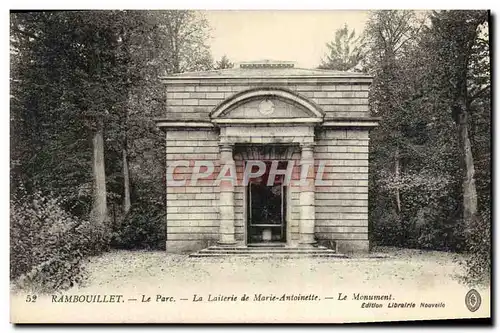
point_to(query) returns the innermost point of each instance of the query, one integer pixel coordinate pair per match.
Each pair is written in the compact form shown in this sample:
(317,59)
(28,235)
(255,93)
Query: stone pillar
(306,198)
(226,198)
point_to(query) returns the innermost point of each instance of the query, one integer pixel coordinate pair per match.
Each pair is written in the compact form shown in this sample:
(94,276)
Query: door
(266,209)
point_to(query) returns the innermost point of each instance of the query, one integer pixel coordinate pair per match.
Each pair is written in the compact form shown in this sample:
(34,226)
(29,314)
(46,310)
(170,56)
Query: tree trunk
(397,173)
(468,182)
(126,182)
(99,210)
(126,173)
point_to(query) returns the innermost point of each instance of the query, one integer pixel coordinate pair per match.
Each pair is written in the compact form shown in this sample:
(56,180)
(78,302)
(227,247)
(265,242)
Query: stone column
(226,198)
(306,198)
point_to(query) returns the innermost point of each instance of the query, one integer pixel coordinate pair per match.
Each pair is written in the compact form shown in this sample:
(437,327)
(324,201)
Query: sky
(299,36)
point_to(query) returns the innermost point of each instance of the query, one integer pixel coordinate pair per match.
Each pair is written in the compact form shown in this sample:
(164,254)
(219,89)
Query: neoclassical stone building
(267,111)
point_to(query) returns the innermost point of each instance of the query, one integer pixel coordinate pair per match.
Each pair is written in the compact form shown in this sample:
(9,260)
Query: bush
(429,217)
(142,228)
(49,245)
(478,240)
(386,228)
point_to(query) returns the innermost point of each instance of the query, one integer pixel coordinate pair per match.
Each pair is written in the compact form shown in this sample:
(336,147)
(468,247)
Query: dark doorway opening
(266,208)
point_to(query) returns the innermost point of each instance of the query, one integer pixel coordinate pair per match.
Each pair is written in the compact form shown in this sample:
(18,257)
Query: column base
(308,245)
(228,244)
(315,244)
(307,238)
(226,239)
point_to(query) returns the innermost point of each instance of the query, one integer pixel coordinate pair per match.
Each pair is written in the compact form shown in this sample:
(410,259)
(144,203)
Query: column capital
(307,145)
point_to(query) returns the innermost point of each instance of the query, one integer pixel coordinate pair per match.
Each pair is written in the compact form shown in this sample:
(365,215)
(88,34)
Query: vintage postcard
(182,166)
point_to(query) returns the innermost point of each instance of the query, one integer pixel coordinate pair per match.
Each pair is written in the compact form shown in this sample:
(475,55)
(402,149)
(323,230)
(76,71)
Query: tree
(175,40)
(423,154)
(66,58)
(186,33)
(75,73)
(458,48)
(139,56)
(345,52)
(391,38)
(455,44)
(223,63)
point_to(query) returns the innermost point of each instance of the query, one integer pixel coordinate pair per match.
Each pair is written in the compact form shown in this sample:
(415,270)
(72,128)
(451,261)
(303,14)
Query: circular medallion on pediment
(266,107)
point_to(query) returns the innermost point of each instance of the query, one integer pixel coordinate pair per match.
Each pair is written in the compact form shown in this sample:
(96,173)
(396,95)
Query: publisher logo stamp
(473,300)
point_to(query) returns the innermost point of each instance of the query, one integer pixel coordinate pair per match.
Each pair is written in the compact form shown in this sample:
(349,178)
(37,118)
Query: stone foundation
(352,246)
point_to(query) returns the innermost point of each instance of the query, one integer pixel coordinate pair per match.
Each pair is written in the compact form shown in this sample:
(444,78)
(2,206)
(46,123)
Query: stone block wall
(342,209)
(194,99)
(192,210)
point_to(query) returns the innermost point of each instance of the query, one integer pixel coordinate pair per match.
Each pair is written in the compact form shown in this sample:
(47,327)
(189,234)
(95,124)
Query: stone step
(270,243)
(267,255)
(245,253)
(264,251)
(295,252)
(317,248)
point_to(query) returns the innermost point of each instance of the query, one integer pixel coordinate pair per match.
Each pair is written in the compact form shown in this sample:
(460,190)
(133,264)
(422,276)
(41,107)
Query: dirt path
(405,268)
(161,287)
